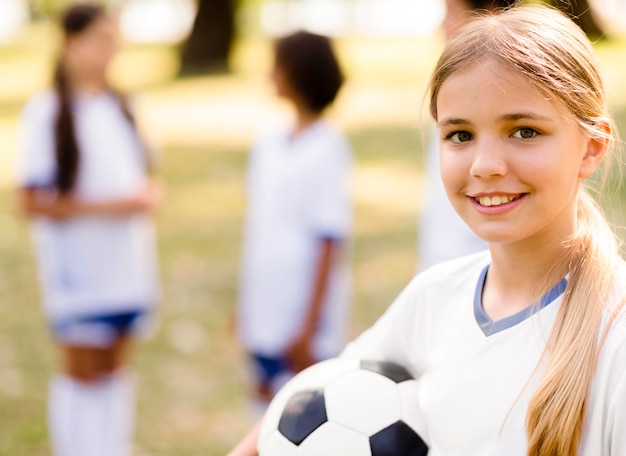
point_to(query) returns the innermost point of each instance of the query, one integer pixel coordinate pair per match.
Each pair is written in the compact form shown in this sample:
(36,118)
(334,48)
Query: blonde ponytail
(556,413)
(558,59)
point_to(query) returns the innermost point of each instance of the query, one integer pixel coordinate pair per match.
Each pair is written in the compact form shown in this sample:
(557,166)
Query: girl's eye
(525,133)
(459,137)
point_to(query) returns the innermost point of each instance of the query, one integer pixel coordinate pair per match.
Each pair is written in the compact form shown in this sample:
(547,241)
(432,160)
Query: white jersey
(298,194)
(473,372)
(90,265)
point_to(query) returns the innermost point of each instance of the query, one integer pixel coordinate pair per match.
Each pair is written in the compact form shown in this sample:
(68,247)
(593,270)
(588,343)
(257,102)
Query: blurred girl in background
(85,184)
(294,296)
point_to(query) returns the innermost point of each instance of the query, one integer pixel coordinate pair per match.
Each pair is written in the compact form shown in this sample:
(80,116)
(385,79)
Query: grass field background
(191,375)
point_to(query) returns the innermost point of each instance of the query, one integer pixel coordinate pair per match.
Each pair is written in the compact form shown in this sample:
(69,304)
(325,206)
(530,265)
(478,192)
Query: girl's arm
(300,350)
(35,202)
(247,447)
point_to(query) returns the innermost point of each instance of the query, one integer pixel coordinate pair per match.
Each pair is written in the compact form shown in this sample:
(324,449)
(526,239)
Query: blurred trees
(209,43)
(208,46)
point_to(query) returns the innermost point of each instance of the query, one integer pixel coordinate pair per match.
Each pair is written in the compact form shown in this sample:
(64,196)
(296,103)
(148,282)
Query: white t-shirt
(298,194)
(443,235)
(90,265)
(472,371)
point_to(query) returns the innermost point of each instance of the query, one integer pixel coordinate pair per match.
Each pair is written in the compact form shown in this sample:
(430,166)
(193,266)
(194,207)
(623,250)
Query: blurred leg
(269,374)
(92,403)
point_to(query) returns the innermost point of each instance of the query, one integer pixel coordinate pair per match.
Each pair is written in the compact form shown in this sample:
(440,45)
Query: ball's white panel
(411,412)
(277,445)
(364,401)
(315,377)
(272,417)
(332,439)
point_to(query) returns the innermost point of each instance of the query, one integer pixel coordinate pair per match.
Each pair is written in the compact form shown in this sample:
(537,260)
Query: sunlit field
(191,373)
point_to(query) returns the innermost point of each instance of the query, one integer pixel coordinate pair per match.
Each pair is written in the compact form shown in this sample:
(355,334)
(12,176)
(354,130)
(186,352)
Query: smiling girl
(520,350)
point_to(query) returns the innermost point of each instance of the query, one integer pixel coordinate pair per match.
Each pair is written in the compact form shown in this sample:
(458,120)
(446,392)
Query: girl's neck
(88,87)
(304,119)
(518,276)
(84,84)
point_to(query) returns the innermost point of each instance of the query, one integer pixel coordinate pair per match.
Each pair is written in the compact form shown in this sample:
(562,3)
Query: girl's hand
(247,447)
(149,198)
(47,203)
(299,352)
(51,204)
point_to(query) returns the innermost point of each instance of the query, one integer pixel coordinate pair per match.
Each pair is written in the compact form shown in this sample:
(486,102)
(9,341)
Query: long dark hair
(75,21)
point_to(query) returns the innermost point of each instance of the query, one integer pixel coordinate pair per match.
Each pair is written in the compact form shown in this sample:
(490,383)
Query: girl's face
(281,83)
(90,52)
(511,156)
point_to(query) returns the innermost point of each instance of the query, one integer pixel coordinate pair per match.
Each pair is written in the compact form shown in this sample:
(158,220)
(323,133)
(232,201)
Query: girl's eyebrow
(453,121)
(505,117)
(524,115)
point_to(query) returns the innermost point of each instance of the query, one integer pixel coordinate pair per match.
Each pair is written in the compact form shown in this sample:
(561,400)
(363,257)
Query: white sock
(91,419)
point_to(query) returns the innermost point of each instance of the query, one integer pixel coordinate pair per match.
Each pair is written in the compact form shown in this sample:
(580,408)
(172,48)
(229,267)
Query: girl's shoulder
(326,130)
(326,144)
(452,277)
(456,267)
(614,318)
(42,105)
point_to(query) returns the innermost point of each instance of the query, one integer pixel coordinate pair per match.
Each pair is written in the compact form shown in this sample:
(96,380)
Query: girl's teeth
(494,200)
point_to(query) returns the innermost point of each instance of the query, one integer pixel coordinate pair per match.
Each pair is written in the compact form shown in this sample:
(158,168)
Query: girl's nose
(488,160)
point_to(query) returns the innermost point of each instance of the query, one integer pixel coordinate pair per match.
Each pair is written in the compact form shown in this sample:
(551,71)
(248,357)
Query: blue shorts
(271,372)
(100,331)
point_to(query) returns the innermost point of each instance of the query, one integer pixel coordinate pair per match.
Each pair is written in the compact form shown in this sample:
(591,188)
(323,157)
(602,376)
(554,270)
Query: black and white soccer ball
(345,407)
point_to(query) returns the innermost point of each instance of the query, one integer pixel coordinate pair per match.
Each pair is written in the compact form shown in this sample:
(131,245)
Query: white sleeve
(392,338)
(330,211)
(36,163)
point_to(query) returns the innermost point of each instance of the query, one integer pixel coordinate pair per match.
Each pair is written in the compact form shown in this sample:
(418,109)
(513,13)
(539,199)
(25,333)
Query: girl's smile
(496,203)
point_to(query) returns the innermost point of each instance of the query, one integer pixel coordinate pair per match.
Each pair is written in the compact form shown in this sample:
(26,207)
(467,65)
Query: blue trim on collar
(490,327)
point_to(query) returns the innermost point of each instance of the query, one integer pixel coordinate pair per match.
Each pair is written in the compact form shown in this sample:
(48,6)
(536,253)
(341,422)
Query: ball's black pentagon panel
(397,440)
(304,413)
(390,370)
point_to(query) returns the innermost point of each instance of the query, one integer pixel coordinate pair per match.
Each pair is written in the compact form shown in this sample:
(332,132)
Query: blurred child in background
(85,185)
(294,296)
(442,234)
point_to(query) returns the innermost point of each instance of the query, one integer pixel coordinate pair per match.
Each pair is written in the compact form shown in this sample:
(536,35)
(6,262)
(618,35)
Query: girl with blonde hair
(520,350)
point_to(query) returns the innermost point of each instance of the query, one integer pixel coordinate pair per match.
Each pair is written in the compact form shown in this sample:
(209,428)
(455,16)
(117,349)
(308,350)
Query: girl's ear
(596,148)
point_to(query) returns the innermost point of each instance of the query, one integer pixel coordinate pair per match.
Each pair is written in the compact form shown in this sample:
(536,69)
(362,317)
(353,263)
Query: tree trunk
(209,43)
(580,12)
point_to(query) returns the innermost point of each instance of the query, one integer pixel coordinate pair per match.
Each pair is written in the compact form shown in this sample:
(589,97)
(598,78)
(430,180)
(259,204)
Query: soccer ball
(345,406)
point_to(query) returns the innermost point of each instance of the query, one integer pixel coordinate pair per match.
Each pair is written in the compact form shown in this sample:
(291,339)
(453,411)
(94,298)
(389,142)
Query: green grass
(191,372)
